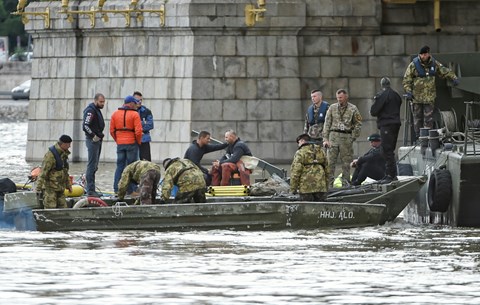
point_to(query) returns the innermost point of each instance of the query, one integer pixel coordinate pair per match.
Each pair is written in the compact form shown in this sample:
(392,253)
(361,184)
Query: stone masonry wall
(206,70)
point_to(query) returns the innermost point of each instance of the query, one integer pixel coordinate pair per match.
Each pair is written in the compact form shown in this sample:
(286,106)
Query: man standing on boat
(309,170)
(93,125)
(187,177)
(386,107)
(144,173)
(200,147)
(315,117)
(371,164)
(126,130)
(147,125)
(419,85)
(54,177)
(229,163)
(341,129)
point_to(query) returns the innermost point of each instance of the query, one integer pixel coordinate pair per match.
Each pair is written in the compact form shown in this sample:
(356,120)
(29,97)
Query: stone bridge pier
(205,69)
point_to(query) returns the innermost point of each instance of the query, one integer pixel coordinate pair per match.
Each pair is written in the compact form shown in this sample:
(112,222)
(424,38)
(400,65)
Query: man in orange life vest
(126,130)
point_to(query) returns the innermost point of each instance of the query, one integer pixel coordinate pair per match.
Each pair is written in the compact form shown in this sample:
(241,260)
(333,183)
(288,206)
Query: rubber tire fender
(90,201)
(404,169)
(439,190)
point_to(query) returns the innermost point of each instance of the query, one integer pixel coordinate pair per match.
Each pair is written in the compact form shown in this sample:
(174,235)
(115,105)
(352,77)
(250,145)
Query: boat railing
(472,126)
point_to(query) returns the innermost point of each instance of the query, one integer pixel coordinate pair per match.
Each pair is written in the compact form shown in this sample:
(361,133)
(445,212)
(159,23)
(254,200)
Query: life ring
(90,202)
(405,169)
(439,190)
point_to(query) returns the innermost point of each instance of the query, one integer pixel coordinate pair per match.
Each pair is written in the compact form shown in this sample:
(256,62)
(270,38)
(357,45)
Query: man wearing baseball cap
(371,164)
(126,130)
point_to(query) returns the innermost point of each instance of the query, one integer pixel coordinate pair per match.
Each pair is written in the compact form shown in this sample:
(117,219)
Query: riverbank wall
(205,69)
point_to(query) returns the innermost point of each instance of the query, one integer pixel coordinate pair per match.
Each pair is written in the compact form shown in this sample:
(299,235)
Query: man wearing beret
(371,164)
(54,178)
(419,85)
(309,170)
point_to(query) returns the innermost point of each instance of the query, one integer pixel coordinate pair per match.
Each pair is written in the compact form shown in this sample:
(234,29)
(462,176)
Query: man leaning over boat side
(309,170)
(230,162)
(54,177)
(144,173)
(199,148)
(187,177)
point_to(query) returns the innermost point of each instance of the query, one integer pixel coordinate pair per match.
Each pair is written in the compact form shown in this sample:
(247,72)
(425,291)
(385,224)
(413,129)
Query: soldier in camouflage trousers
(144,173)
(419,85)
(309,170)
(341,129)
(54,177)
(187,177)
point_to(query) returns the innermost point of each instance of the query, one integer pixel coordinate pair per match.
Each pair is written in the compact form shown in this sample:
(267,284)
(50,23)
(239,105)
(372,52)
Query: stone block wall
(205,69)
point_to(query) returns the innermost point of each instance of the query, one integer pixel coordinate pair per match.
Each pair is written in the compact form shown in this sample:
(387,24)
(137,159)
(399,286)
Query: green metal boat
(366,205)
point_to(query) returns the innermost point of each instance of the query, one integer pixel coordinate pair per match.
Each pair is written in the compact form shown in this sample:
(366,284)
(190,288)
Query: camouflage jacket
(347,119)
(309,171)
(50,178)
(423,88)
(132,173)
(184,174)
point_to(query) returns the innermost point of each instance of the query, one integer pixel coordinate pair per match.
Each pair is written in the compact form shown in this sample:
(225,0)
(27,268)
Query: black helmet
(303,136)
(374,137)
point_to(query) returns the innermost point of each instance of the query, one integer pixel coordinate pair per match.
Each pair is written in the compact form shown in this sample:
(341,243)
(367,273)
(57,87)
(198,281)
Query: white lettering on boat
(341,215)
(327,214)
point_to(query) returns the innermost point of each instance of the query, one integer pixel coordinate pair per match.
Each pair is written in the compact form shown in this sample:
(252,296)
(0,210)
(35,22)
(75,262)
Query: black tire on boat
(439,190)
(404,169)
(89,202)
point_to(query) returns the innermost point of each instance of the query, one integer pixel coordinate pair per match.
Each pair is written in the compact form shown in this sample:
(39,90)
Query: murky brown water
(393,264)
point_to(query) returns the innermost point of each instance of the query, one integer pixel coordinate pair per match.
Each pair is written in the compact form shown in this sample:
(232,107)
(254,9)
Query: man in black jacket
(200,147)
(386,107)
(93,125)
(371,164)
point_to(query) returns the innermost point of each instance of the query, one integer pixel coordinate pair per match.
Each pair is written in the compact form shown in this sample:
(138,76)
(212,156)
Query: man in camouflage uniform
(419,85)
(187,177)
(309,170)
(315,117)
(144,173)
(342,127)
(54,178)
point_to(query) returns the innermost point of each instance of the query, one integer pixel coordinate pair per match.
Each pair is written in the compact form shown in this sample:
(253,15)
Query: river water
(397,263)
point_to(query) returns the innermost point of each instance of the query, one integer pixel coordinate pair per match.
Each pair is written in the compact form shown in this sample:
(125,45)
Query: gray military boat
(448,154)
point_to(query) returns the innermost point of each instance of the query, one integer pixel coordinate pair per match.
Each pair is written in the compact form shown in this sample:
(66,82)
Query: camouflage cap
(303,136)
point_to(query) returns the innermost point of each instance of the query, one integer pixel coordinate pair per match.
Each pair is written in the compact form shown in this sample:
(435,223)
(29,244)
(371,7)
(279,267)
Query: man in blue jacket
(93,125)
(147,125)
(315,116)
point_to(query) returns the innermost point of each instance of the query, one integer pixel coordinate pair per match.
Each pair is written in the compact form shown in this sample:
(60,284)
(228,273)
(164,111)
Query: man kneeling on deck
(144,173)
(187,177)
(309,171)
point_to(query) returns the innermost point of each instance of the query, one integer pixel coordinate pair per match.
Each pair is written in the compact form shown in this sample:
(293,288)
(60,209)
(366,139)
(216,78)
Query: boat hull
(364,206)
(254,215)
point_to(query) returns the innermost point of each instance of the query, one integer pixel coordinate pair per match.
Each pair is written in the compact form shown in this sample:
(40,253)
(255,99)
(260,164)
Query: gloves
(409,96)
(96,138)
(456,81)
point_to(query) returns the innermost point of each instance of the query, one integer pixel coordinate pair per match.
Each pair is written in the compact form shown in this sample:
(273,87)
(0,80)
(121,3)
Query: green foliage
(11,25)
